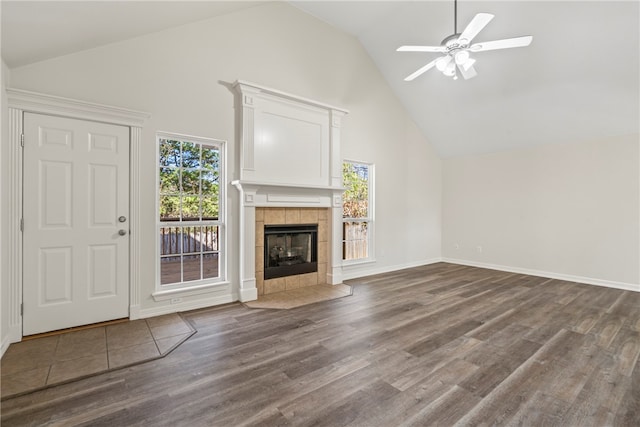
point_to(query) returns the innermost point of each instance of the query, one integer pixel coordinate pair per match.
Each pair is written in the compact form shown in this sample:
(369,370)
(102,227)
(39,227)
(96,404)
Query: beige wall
(569,210)
(182,76)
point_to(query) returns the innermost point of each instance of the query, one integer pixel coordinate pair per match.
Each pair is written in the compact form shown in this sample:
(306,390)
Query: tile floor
(41,362)
(301,296)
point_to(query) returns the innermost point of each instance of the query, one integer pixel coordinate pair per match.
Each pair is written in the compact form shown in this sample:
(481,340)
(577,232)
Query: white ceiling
(33,31)
(579,79)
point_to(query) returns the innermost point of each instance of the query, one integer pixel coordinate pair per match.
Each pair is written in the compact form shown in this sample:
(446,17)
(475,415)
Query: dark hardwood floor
(435,345)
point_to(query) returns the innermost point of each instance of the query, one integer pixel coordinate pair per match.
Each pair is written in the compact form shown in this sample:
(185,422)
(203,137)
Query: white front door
(76,225)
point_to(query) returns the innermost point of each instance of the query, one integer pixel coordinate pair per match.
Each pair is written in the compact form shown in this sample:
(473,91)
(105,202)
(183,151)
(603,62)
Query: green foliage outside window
(189,181)
(355,200)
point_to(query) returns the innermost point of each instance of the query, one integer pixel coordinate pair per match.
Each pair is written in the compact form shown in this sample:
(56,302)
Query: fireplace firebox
(290,250)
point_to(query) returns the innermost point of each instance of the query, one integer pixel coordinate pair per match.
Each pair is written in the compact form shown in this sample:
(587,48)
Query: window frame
(166,291)
(370,219)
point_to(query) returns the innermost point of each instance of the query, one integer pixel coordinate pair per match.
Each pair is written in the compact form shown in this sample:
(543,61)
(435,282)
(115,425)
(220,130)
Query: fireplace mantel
(289,157)
(288,195)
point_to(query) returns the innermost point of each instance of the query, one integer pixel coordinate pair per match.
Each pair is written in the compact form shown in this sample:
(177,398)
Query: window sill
(355,263)
(187,291)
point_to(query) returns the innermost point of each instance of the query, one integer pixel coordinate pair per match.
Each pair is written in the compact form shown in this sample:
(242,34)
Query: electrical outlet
(479,249)
(176,300)
(456,246)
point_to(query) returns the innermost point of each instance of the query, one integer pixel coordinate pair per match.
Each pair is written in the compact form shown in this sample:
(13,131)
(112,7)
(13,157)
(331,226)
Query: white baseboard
(134,312)
(188,305)
(14,334)
(6,341)
(249,293)
(547,274)
(370,270)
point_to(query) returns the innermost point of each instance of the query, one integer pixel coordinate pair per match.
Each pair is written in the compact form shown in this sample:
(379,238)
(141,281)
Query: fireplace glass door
(289,250)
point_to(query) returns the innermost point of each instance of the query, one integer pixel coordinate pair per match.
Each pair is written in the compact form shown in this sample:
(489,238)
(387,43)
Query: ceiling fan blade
(420,71)
(475,26)
(421,49)
(502,44)
(468,72)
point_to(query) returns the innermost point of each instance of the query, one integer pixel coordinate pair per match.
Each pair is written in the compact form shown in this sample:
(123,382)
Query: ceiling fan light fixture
(468,63)
(450,70)
(442,62)
(461,57)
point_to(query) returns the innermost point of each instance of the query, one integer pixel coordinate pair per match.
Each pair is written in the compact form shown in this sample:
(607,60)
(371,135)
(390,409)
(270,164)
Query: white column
(247,135)
(334,269)
(135,243)
(335,158)
(247,250)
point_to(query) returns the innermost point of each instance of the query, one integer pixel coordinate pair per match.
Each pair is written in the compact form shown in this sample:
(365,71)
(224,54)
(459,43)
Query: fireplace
(289,172)
(290,250)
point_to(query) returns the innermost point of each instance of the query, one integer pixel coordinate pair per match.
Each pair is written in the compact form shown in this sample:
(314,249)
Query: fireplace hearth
(290,250)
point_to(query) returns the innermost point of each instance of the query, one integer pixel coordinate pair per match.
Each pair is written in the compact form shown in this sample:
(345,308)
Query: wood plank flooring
(436,345)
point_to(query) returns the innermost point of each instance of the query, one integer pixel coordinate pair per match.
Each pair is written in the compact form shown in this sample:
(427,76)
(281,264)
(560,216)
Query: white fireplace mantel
(289,157)
(284,195)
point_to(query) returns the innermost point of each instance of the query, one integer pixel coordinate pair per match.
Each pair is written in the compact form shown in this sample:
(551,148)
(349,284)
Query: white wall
(567,210)
(181,77)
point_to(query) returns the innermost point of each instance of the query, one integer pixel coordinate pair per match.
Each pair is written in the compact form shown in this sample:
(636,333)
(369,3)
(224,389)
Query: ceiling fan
(458,48)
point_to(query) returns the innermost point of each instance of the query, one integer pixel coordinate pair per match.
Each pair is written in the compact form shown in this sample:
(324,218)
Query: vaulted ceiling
(578,80)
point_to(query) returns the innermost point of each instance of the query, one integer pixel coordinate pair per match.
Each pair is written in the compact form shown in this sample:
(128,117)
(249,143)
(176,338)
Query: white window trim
(371,218)
(163,292)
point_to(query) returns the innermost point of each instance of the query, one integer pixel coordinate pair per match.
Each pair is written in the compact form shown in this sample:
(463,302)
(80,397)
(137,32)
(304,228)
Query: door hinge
(21,224)
(22,139)
(21,309)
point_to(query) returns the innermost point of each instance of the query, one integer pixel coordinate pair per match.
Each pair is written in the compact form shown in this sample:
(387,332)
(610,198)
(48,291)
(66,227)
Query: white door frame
(21,101)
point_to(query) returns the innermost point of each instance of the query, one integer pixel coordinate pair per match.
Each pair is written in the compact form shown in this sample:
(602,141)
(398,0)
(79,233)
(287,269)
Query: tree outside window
(189,210)
(357,207)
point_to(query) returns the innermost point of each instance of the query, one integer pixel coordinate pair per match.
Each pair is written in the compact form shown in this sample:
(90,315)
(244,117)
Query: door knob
(122,232)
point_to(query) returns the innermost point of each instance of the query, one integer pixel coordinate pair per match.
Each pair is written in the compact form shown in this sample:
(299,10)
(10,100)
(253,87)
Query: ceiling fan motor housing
(452,43)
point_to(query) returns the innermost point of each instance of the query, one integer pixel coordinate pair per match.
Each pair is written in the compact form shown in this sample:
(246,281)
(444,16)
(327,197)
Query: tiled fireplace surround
(278,216)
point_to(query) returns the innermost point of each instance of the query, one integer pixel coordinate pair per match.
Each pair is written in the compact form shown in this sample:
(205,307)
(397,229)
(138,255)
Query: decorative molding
(272,124)
(245,86)
(134,312)
(14,235)
(6,342)
(283,195)
(550,275)
(335,156)
(249,292)
(278,198)
(256,185)
(57,105)
(135,242)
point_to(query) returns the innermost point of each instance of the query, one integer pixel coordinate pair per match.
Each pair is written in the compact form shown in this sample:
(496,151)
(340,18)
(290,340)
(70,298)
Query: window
(357,215)
(190,217)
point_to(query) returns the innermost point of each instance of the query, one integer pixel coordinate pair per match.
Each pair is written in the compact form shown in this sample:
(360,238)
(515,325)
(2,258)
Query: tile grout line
(153,337)
(106,347)
(53,359)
